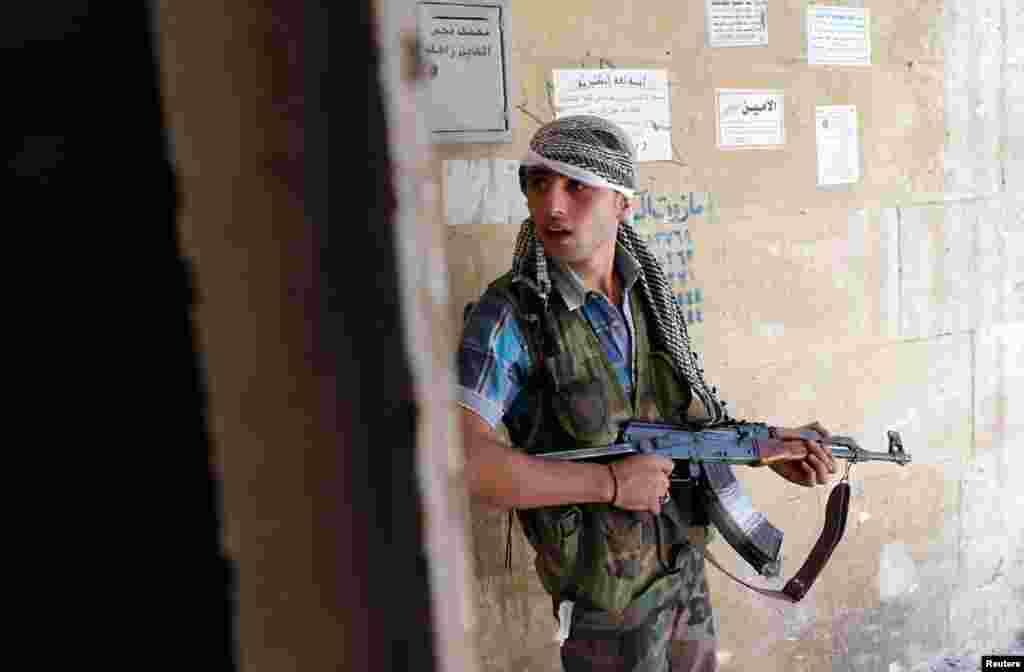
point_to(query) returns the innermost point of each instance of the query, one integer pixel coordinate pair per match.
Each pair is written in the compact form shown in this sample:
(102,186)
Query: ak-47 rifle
(707,452)
(751,444)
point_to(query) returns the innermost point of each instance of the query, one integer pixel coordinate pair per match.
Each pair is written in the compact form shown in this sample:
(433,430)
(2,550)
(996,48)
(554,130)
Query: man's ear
(622,205)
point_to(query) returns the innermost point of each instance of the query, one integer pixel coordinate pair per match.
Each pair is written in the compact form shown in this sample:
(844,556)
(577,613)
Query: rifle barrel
(859,455)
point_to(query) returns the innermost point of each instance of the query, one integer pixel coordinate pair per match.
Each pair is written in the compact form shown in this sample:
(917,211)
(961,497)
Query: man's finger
(830,460)
(827,460)
(813,447)
(820,471)
(822,453)
(809,473)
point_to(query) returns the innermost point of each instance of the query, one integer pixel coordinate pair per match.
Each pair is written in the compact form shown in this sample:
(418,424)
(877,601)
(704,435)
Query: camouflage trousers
(678,636)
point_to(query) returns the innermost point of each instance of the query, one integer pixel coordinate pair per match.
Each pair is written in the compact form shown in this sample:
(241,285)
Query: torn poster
(636,100)
(483,191)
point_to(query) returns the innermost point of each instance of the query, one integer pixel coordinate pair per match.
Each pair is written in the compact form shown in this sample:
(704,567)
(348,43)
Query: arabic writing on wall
(460,39)
(691,302)
(664,223)
(667,209)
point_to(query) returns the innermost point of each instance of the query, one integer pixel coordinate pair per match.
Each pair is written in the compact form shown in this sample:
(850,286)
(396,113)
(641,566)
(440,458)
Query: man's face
(573,220)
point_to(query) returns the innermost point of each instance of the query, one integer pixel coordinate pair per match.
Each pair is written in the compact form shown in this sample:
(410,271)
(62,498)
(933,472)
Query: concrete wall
(896,303)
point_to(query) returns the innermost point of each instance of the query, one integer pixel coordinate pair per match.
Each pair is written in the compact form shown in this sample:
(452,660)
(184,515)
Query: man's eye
(536,182)
(577,186)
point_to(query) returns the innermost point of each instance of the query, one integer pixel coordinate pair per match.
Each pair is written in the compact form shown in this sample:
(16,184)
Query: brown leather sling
(835,524)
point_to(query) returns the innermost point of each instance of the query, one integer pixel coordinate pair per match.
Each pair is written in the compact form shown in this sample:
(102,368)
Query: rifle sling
(835,524)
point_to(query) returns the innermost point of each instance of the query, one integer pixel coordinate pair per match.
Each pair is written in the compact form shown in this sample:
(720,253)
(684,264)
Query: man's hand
(643,481)
(816,467)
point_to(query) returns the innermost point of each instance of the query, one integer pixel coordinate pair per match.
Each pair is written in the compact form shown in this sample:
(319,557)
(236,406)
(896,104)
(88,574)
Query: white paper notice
(636,100)
(838,35)
(750,118)
(737,23)
(838,144)
(483,191)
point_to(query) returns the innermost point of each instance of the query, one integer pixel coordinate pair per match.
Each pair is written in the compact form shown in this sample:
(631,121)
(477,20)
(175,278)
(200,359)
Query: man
(582,334)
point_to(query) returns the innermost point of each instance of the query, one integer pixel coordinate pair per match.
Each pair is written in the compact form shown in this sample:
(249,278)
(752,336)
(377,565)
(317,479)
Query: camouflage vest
(594,554)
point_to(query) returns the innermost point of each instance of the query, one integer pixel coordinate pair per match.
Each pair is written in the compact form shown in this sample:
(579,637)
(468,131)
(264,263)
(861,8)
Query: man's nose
(556,197)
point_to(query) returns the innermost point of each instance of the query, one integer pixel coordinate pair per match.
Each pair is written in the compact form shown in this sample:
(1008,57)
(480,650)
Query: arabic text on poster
(737,23)
(636,100)
(750,118)
(460,39)
(838,35)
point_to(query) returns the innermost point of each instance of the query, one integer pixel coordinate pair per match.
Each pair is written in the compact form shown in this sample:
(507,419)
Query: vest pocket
(554,534)
(671,391)
(621,558)
(606,558)
(625,559)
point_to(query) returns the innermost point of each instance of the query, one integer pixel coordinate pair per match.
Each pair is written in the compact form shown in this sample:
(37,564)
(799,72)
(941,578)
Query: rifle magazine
(747,530)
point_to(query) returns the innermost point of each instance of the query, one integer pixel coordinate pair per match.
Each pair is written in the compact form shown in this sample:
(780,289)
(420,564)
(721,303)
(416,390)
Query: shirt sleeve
(492,360)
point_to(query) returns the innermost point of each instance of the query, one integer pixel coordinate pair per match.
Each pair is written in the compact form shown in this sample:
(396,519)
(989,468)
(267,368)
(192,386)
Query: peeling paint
(897,575)
(771,329)
(798,620)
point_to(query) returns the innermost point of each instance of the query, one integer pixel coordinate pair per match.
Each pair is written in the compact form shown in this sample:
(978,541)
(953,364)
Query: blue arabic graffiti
(674,249)
(666,209)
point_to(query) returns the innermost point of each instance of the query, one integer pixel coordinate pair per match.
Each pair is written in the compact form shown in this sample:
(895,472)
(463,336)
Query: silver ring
(664,498)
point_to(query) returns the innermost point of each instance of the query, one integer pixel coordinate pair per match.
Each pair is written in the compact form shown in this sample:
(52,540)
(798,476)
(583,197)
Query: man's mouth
(560,237)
